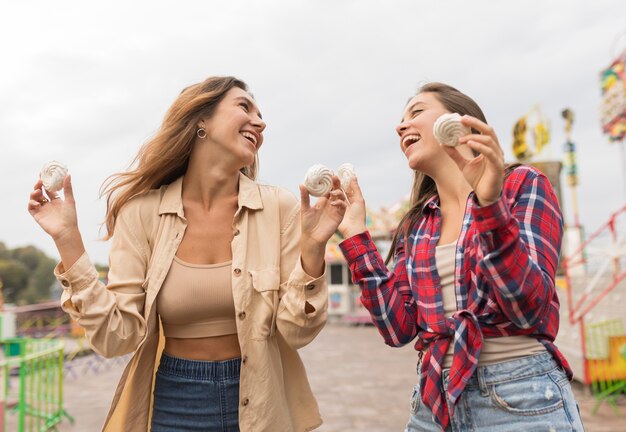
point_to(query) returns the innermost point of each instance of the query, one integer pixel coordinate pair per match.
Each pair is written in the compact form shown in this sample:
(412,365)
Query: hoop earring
(201,133)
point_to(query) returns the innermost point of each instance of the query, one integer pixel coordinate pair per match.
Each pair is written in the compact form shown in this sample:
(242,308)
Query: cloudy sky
(87,83)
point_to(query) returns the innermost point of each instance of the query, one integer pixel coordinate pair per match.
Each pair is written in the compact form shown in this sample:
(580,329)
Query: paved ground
(361,385)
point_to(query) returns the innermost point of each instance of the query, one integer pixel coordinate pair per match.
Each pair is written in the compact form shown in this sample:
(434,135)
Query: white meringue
(52,175)
(319,180)
(345,174)
(448,129)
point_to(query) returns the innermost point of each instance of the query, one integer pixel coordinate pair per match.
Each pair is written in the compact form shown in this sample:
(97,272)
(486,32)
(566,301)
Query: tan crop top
(496,349)
(196,300)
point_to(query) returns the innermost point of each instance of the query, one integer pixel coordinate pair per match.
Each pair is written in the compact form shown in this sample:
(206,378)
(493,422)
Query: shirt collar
(431,204)
(249,196)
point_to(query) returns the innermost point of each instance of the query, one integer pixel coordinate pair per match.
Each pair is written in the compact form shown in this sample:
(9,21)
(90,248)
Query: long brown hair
(424,187)
(165,156)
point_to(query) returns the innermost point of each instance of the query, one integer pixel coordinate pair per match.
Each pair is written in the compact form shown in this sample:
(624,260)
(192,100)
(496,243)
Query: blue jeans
(530,394)
(192,395)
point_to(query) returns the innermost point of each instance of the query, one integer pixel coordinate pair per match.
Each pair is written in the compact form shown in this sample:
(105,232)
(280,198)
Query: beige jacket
(270,290)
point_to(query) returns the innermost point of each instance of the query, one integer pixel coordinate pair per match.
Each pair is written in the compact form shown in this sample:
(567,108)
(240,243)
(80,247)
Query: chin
(415,163)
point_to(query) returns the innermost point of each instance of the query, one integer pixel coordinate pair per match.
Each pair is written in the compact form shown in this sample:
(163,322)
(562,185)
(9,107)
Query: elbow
(398,343)
(526,324)
(110,344)
(396,339)
(531,316)
(115,349)
(299,334)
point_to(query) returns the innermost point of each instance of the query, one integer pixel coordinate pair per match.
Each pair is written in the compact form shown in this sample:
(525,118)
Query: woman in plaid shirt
(473,279)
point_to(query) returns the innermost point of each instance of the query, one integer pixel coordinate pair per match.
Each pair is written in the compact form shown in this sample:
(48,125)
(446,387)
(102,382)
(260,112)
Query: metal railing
(31,380)
(593,271)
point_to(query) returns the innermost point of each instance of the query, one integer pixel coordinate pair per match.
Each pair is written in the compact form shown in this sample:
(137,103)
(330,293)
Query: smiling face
(235,130)
(417,141)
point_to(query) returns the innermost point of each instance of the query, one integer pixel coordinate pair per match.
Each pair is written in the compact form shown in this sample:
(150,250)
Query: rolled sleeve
(78,277)
(310,285)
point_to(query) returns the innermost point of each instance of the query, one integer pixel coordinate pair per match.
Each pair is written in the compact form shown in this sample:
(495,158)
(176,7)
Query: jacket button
(244,359)
(65,283)
(237,271)
(236,233)
(245,402)
(241,315)
(310,287)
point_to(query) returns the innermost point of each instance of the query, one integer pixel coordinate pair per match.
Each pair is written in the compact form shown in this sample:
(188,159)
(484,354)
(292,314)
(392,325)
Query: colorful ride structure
(592,325)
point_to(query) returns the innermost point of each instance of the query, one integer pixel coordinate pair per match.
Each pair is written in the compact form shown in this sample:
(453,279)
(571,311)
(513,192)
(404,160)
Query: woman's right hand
(354,219)
(57,216)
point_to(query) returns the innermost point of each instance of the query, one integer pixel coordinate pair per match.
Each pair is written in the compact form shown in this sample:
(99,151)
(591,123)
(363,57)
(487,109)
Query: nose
(401,128)
(259,124)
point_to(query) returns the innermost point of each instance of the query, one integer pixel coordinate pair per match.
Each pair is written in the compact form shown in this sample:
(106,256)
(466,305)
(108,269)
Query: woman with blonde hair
(215,280)
(475,259)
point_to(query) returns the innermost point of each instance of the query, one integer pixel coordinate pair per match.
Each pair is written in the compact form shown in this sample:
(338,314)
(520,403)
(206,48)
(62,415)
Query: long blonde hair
(165,156)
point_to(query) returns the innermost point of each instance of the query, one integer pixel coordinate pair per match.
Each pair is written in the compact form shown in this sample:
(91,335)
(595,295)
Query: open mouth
(409,140)
(250,137)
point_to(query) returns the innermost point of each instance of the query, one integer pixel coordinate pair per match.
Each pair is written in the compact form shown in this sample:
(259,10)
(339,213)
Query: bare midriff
(215,348)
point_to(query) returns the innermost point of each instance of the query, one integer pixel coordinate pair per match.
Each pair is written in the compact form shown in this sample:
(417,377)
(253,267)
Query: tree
(27,274)
(4,252)
(14,277)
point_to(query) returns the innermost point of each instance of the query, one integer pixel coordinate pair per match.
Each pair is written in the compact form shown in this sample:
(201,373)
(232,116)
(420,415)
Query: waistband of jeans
(200,369)
(523,367)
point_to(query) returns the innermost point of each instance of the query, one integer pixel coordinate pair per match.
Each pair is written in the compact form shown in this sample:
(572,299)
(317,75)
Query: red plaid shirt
(506,259)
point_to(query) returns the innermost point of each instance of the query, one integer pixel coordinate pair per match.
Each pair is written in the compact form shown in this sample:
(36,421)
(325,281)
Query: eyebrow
(410,108)
(251,102)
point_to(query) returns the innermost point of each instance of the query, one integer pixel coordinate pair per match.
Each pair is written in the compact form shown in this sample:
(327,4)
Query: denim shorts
(192,395)
(530,393)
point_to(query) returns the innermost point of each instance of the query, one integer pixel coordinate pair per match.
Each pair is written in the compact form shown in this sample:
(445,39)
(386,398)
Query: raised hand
(485,172)
(354,220)
(319,223)
(57,217)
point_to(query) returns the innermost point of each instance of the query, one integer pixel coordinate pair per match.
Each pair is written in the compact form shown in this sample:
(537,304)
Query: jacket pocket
(264,302)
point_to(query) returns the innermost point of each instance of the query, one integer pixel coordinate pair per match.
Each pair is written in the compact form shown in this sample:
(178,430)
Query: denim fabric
(530,394)
(192,395)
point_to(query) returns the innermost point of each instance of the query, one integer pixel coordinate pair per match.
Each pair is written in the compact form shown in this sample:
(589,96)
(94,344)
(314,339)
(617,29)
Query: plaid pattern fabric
(505,264)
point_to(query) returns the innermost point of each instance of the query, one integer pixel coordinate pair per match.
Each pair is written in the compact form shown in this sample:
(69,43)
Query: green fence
(31,380)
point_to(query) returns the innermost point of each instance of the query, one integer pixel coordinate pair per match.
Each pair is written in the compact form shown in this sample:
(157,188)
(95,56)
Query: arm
(521,248)
(111,315)
(302,310)
(386,295)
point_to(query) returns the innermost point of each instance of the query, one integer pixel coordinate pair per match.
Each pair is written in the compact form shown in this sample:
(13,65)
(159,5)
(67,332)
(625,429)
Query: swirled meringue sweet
(345,174)
(448,129)
(52,175)
(319,180)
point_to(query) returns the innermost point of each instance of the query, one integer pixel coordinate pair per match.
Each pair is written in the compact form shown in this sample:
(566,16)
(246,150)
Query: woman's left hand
(320,221)
(485,172)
